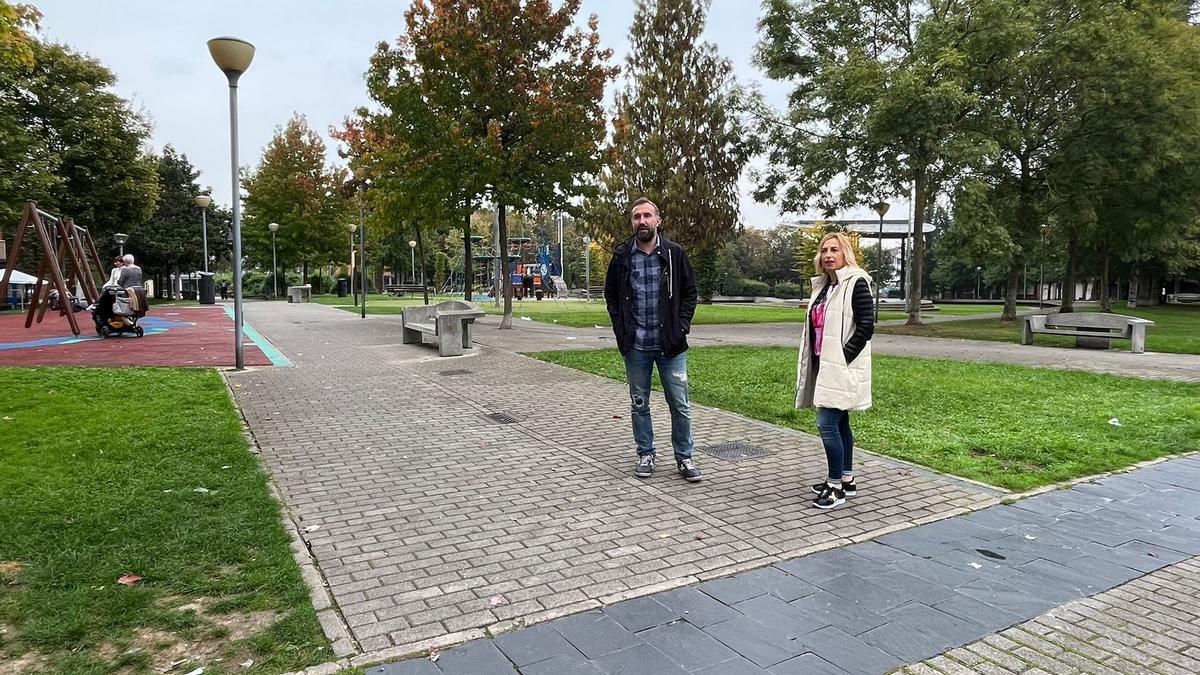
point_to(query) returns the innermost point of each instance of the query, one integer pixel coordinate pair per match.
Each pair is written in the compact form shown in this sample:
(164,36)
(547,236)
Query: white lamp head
(203,201)
(273,226)
(353,227)
(412,243)
(120,237)
(881,208)
(232,55)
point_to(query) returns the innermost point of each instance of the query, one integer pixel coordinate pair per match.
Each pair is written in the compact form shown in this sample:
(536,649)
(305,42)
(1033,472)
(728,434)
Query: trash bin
(208,294)
(343,287)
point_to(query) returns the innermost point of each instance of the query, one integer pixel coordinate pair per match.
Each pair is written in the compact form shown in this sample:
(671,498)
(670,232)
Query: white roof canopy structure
(892,229)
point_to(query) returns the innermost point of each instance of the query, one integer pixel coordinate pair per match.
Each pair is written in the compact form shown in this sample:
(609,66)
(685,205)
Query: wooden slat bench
(399,290)
(450,321)
(1093,330)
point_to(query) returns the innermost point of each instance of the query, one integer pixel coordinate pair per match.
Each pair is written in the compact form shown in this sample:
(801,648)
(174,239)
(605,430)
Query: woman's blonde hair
(843,243)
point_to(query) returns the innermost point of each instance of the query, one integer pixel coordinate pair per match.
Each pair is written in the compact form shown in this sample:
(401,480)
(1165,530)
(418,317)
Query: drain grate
(501,418)
(447,373)
(733,452)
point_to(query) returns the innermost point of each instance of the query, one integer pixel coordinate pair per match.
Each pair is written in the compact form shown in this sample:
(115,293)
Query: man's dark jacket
(676,298)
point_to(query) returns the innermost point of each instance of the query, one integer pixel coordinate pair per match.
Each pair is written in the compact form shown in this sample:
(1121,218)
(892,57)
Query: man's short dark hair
(643,200)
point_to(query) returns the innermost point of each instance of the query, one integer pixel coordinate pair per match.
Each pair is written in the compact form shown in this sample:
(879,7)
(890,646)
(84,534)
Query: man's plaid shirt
(645,274)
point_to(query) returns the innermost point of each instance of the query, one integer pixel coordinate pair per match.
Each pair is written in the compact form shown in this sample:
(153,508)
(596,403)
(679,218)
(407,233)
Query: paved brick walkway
(875,606)
(431,522)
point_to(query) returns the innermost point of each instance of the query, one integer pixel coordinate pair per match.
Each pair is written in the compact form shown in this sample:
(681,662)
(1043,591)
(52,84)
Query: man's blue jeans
(672,372)
(838,440)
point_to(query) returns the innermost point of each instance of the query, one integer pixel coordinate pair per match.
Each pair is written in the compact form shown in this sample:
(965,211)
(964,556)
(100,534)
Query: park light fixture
(587,266)
(881,207)
(274,261)
(233,56)
(412,259)
(121,238)
(204,201)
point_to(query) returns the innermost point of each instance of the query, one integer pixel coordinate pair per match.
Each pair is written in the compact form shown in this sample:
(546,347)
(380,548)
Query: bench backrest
(457,306)
(1093,320)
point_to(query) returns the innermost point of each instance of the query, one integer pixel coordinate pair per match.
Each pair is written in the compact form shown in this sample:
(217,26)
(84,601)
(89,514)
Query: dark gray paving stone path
(901,599)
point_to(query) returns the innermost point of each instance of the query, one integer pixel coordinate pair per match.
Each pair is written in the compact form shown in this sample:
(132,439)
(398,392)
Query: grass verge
(1176,329)
(112,472)
(1009,426)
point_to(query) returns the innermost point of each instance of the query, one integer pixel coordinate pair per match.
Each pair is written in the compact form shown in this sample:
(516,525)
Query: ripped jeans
(672,371)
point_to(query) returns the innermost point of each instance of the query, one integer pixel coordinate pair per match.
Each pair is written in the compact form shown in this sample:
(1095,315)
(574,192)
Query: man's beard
(645,235)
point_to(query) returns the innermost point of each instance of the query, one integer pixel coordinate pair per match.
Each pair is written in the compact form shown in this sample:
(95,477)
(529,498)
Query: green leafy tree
(171,239)
(678,138)
(295,187)
(66,140)
(495,99)
(881,103)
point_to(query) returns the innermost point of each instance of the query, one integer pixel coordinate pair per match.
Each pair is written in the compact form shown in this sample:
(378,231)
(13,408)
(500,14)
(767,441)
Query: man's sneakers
(689,470)
(830,497)
(645,466)
(848,487)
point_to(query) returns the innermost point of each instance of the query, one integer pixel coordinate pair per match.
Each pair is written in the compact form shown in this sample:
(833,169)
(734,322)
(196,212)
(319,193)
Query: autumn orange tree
(484,99)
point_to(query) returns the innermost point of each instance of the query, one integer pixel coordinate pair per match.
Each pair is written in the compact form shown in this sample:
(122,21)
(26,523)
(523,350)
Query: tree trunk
(1105,297)
(1010,296)
(1067,304)
(468,260)
(304,279)
(505,277)
(1135,279)
(916,267)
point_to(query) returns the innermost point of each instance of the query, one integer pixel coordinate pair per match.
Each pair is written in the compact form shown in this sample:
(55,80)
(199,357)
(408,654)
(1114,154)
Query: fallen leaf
(312,528)
(1115,422)
(198,671)
(69,520)
(433,654)
(227,466)
(247,664)
(497,600)
(201,490)
(976,565)
(7,418)
(617,417)
(1030,537)
(1152,554)
(699,535)
(663,535)
(129,580)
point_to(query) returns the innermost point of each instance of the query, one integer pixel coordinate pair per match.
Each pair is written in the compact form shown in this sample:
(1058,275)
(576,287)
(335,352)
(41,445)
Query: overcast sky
(310,59)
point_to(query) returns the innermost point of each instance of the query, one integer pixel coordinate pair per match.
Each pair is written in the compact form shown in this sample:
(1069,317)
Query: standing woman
(834,372)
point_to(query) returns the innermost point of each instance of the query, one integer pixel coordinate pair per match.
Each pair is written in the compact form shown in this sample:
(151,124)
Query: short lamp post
(233,57)
(412,259)
(274,263)
(587,266)
(204,201)
(353,288)
(881,208)
(1041,263)
(121,238)
(978,278)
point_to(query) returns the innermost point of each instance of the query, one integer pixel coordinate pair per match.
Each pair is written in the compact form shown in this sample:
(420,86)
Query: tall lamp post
(587,266)
(362,269)
(1041,262)
(274,264)
(978,278)
(233,57)
(412,258)
(881,208)
(204,201)
(121,238)
(353,288)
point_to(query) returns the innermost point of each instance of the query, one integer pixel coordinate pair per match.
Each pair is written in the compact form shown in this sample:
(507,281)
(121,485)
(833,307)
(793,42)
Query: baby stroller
(118,311)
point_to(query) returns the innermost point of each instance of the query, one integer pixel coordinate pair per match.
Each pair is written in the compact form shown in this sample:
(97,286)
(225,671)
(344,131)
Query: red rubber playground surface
(200,336)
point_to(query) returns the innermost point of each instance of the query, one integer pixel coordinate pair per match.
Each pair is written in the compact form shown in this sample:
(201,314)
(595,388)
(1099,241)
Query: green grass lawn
(1176,329)
(1008,426)
(93,488)
(584,314)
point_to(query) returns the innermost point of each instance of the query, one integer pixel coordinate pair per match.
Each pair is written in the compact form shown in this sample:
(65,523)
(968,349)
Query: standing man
(650,291)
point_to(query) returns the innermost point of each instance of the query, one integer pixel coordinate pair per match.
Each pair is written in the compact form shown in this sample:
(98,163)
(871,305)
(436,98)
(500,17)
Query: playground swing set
(68,257)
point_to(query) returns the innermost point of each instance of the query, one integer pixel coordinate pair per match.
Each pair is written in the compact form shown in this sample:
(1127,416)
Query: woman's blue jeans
(834,426)
(672,371)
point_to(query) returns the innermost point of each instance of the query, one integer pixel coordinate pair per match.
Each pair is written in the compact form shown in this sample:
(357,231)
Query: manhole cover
(501,418)
(448,373)
(735,451)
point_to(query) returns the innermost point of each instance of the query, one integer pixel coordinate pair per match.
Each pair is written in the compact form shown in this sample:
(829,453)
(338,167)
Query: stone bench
(1183,298)
(300,293)
(450,321)
(1092,330)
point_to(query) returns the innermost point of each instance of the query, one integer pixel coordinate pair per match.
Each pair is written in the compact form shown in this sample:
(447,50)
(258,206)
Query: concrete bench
(450,321)
(1092,330)
(300,293)
(1183,298)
